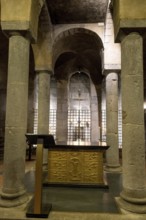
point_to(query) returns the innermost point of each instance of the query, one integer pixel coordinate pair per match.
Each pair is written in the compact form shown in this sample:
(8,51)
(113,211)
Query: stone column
(99,98)
(112,154)
(43,106)
(133,196)
(62,112)
(13,190)
(95,131)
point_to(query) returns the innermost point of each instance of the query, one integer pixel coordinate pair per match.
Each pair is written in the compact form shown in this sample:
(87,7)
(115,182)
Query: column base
(45,166)
(12,202)
(116,169)
(125,206)
(45,176)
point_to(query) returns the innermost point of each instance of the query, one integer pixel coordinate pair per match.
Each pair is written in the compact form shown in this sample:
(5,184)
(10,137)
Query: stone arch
(73,31)
(86,45)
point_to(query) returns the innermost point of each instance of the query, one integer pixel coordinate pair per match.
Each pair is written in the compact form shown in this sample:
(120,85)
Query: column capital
(129,33)
(112,76)
(109,71)
(12,33)
(132,35)
(15,33)
(42,70)
(125,22)
(23,17)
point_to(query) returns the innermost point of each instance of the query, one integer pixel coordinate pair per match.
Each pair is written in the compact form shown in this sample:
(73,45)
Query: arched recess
(86,45)
(79,114)
(79,50)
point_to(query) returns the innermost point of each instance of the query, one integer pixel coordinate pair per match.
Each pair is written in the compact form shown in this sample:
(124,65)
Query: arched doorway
(77,53)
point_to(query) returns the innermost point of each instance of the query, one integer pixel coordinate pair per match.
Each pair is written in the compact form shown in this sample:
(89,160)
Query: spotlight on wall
(79,69)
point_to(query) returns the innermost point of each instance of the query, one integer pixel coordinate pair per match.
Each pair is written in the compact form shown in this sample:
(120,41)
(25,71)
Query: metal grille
(35,129)
(78,126)
(104,125)
(120,128)
(52,122)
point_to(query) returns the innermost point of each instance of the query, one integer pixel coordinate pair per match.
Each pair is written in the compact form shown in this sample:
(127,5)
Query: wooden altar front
(76,165)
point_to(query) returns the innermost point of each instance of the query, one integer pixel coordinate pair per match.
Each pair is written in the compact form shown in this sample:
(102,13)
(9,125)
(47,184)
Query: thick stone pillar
(112,154)
(13,191)
(133,196)
(62,112)
(43,106)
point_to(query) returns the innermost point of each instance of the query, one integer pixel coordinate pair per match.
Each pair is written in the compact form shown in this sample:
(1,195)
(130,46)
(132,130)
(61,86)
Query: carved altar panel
(79,167)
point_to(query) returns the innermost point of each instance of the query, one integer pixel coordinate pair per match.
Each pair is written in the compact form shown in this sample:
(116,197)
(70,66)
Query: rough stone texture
(62,109)
(3,83)
(43,101)
(124,21)
(2,113)
(95,131)
(24,15)
(43,57)
(16,121)
(134,186)
(31,95)
(16,14)
(112,154)
(43,106)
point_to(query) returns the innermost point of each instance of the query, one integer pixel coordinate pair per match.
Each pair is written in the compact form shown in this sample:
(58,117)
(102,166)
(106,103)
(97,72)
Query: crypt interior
(75,70)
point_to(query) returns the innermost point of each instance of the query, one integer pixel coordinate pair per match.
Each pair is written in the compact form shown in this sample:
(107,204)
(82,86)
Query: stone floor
(69,203)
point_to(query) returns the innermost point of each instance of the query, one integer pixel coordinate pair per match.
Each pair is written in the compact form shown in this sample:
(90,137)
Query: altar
(76,165)
(72,164)
(68,165)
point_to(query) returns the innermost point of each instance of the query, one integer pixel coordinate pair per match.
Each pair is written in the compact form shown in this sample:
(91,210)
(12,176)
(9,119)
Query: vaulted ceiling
(79,50)
(77,11)
(85,56)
